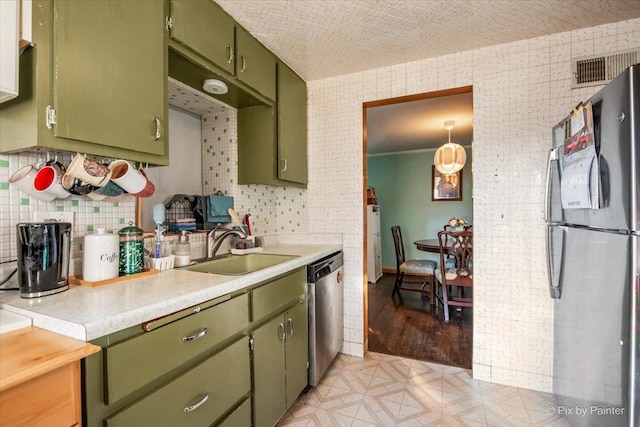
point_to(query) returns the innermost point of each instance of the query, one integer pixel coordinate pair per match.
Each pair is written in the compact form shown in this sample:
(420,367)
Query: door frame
(378,103)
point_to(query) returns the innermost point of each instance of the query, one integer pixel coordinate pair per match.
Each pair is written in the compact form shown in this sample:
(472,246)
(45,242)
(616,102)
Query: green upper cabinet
(203,33)
(255,64)
(292,126)
(205,28)
(94,82)
(272,143)
(109,79)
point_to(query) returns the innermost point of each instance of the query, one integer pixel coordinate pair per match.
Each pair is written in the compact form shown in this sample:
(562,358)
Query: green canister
(131,250)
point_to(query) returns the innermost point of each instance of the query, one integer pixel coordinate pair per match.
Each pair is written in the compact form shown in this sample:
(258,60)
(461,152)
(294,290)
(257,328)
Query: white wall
(520,90)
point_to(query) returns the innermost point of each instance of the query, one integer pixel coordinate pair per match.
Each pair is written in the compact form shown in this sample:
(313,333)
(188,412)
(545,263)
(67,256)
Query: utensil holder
(164,263)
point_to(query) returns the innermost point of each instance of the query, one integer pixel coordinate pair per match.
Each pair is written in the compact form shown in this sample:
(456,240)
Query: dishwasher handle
(324,267)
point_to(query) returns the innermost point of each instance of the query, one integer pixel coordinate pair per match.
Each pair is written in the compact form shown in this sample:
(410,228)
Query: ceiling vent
(601,69)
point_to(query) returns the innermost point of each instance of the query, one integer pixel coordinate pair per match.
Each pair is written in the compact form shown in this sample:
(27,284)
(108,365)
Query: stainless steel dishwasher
(326,308)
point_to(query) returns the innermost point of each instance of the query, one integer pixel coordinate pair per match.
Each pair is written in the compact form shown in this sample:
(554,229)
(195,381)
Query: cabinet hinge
(169,23)
(50,116)
(251,344)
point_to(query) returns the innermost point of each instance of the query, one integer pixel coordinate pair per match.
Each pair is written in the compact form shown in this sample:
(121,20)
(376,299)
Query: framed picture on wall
(445,187)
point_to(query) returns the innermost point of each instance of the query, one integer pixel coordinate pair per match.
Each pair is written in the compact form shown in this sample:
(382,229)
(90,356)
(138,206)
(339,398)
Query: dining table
(431,245)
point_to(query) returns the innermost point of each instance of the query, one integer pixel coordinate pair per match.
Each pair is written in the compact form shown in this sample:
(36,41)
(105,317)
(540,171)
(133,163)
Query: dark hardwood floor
(410,326)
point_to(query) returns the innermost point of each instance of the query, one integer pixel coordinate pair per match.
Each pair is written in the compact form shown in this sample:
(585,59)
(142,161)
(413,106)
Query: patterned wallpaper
(520,90)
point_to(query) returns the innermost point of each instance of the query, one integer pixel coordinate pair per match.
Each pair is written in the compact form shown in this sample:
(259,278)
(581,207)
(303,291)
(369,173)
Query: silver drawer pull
(195,406)
(230,56)
(158,129)
(202,332)
(290,325)
(281,332)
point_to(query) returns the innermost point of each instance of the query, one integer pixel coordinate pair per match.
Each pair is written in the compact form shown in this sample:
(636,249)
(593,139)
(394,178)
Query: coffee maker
(44,249)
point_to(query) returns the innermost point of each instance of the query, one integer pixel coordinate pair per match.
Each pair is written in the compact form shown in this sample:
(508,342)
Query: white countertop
(86,313)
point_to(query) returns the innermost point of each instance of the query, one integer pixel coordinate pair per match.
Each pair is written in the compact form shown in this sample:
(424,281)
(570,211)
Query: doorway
(400,136)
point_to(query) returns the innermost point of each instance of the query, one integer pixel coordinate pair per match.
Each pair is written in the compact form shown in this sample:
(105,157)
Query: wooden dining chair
(416,267)
(458,245)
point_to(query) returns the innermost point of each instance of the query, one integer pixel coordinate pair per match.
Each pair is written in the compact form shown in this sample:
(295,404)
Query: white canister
(100,256)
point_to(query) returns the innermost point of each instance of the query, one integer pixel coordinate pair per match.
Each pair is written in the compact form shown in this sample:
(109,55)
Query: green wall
(403,189)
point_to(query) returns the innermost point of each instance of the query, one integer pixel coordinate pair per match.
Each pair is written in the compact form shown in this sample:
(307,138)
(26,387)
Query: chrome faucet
(213,242)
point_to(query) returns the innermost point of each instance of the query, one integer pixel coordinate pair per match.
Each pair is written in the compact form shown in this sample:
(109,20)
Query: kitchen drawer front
(134,363)
(52,399)
(241,417)
(269,298)
(208,390)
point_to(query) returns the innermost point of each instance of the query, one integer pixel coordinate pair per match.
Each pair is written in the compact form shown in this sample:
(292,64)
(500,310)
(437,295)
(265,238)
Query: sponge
(158,213)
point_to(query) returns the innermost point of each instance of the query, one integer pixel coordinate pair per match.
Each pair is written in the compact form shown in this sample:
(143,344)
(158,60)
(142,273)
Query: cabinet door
(292,126)
(297,350)
(205,28)
(110,73)
(268,372)
(9,37)
(255,64)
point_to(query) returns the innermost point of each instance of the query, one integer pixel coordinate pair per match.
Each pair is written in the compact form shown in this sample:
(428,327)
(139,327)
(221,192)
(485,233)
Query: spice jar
(131,250)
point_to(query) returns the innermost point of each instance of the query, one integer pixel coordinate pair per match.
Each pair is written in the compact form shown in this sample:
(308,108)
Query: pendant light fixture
(450,157)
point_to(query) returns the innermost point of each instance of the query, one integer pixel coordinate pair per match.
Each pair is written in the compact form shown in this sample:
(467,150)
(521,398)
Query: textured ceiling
(326,38)
(419,125)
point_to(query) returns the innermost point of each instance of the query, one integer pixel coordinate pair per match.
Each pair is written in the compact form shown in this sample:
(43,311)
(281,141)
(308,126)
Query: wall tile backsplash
(520,90)
(16,206)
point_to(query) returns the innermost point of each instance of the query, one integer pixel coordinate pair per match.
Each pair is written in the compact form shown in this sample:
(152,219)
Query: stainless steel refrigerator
(593,224)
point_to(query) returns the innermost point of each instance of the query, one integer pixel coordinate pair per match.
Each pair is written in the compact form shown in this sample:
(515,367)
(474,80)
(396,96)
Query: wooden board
(29,352)
(77,280)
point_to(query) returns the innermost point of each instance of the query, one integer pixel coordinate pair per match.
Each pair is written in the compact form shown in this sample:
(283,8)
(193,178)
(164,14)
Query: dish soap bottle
(182,250)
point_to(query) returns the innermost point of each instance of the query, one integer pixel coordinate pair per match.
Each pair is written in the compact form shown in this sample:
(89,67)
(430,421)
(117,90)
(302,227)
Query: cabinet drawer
(270,297)
(134,363)
(52,399)
(241,417)
(208,389)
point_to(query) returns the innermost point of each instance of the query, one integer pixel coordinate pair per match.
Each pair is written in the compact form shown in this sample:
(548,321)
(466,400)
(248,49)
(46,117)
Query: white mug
(127,177)
(23,179)
(48,180)
(89,171)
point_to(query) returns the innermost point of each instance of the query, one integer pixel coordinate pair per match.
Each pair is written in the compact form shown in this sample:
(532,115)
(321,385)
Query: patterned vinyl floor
(383,390)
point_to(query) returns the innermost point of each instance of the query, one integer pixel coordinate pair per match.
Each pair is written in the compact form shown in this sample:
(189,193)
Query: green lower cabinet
(269,372)
(297,351)
(280,366)
(241,417)
(197,398)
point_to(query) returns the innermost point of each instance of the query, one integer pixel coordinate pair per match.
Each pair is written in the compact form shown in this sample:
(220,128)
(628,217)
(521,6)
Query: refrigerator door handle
(555,288)
(552,161)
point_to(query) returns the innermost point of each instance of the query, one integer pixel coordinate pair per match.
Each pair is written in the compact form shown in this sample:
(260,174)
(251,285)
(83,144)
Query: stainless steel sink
(236,265)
